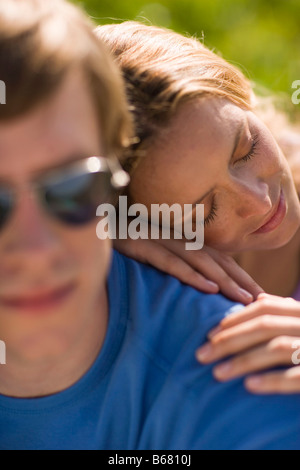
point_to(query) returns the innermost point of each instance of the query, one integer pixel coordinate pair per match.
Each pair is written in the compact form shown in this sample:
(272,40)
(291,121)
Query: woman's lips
(276,218)
(38,302)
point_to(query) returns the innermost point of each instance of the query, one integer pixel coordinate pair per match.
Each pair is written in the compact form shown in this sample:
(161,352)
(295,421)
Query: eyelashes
(212,214)
(213,211)
(252,152)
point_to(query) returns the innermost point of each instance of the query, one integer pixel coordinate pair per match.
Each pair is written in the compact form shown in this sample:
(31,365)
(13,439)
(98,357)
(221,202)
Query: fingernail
(222,371)
(214,331)
(213,285)
(262,295)
(245,294)
(254,382)
(204,353)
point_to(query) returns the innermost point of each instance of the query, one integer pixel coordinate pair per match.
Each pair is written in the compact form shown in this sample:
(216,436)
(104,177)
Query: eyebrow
(235,144)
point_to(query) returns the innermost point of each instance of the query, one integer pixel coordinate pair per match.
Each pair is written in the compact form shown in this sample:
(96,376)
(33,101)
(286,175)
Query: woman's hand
(263,335)
(206,269)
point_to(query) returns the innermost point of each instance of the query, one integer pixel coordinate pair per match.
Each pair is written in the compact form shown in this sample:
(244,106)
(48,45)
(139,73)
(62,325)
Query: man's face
(51,275)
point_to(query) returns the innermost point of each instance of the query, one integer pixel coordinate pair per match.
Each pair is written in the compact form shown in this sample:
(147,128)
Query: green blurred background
(260,36)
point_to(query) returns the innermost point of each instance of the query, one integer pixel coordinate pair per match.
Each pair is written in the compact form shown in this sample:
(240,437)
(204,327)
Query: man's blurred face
(51,275)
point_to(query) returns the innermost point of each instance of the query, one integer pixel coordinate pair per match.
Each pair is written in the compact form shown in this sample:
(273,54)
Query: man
(99,348)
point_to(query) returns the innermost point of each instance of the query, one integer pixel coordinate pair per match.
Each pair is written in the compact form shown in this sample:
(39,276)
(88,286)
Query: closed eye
(213,211)
(212,214)
(255,141)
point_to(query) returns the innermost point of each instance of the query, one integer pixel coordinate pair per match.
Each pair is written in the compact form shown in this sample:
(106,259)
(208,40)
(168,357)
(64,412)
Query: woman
(195,121)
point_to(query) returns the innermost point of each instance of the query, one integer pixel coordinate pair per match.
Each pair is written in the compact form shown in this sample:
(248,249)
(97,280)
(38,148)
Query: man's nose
(252,198)
(30,233)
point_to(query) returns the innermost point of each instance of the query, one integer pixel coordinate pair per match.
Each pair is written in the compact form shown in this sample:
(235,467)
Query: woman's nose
(252,198)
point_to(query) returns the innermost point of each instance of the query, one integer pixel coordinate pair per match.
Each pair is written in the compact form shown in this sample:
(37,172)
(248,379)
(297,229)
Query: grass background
(262,37)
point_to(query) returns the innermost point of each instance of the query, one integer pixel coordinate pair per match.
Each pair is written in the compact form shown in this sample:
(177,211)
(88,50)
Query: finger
(165,260)
(208,267)
(283,382)
(134,248)
(239,275)
(231,289)
(171,264)
(228,286)
(220,269)
(247,335)
(265,295)
(203,274)
(277,352)
(265,305)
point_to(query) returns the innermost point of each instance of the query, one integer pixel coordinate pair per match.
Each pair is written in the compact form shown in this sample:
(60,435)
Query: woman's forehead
(190,153)
(197,129)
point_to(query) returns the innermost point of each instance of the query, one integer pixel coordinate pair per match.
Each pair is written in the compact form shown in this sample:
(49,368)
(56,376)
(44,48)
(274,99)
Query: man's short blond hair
(41,41)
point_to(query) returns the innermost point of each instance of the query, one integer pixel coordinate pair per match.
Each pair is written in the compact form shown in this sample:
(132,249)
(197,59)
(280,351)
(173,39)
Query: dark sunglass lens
(5,205)
(75,199)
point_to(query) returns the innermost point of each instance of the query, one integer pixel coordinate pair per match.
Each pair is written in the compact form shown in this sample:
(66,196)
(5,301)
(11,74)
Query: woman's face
(215,153)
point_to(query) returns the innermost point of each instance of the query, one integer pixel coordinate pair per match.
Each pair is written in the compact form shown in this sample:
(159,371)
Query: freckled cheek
(222,235)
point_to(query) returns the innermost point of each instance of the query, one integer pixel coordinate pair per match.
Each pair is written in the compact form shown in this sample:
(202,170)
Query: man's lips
(276,217)
(37,301)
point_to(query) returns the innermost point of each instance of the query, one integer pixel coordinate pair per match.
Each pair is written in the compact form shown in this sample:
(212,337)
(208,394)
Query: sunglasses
(72,192)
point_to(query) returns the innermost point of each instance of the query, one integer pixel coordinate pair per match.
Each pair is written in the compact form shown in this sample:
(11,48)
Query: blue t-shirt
(146,390)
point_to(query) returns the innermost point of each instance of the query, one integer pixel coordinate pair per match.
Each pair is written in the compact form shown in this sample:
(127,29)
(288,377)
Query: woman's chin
(279,238)
(262,241)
